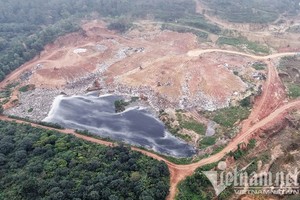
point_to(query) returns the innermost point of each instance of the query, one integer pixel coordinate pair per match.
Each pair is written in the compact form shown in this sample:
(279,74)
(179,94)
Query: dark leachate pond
(135,125)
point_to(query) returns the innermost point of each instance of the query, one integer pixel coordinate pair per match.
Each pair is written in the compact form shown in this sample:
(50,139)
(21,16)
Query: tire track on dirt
(180,172)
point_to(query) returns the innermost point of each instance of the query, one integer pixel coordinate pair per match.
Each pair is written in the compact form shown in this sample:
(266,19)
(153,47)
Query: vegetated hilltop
(42,164)
(252,11)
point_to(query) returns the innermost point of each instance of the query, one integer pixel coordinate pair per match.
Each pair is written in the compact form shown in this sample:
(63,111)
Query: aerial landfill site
(150,100)
(149,63)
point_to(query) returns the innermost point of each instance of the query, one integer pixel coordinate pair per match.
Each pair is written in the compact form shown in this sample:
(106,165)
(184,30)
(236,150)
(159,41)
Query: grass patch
(290,65)
(243,42)
(265,157)
(257,48)
(11,85)
(194,126)
(207,141)
(184,137)
(181,29)
(252,144)
(183,123)
(259,66)
(218,149)
(229,41)
(175,131)
(178,161)
(229,116)
(26,88)
(190,124)
(241,152)
(294,90)
(197,21)
(192,23)
(5,100)
(289,61)
(6,92)
(252,167)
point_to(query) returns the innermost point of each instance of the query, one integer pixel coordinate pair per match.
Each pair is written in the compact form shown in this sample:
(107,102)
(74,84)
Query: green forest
(27,26)
(198,187)
(41,164)
(252,11)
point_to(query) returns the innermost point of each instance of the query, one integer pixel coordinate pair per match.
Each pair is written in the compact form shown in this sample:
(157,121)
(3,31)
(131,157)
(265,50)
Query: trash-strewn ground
(144,62)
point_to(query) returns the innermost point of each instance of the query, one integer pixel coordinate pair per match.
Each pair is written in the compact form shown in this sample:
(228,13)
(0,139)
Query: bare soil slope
(146,61)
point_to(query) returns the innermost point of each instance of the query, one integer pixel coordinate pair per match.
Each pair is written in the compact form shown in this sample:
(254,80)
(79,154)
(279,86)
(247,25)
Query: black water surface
(135,126)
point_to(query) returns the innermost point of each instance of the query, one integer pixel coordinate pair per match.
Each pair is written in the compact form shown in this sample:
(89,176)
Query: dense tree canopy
(252,11)
(42,164)
(198,187)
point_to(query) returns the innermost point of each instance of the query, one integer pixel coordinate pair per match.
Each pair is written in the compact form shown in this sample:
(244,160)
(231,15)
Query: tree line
(42,164)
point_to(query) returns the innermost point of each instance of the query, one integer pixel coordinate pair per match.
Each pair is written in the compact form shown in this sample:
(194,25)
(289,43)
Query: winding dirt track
(198,52)
(180,172)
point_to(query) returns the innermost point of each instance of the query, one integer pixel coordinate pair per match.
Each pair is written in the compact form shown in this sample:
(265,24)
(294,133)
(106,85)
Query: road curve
(241,138)
(198,52)
(188,170)
(180,172)
(86,138)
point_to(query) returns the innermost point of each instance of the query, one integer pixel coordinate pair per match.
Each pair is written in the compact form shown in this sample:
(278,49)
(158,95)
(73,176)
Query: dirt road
(180,172)
(198,52)
(187,170)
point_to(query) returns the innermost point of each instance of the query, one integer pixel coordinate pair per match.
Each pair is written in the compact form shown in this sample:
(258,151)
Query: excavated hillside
(145,61)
